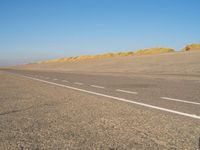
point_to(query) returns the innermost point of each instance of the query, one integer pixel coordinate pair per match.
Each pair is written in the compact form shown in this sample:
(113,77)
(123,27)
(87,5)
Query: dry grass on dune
(191,47)
(110,55)
(86,57)
(154,51)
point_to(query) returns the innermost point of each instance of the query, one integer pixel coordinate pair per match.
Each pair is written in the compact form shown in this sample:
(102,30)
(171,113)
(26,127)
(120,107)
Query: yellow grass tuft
(191,47)
(154,51)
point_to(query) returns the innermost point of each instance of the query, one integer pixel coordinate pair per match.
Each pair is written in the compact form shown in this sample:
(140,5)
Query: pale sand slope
(179,64)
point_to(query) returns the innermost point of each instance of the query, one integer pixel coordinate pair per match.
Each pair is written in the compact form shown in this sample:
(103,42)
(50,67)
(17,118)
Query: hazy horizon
(39,30)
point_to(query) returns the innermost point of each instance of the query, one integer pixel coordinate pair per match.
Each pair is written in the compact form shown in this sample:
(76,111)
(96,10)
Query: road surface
(174,101)
(180,95)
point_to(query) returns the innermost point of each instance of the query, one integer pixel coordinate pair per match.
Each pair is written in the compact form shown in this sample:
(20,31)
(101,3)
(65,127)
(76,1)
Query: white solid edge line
(179,100)
(65,81)
(96,86)
(78,83)
(130,92)
(117,98)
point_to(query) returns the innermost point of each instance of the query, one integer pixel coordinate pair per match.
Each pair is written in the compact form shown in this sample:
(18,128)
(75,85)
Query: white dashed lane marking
(65,81)
(96,86)
(78,83)
(124,91)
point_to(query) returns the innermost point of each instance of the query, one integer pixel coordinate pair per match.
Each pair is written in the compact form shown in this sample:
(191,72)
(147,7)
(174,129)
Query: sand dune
(179,63)
(191,47)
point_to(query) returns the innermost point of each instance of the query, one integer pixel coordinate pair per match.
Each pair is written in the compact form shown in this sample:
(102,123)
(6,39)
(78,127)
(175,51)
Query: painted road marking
(78,83)
(96,86)
(129,92)
(65,81)
(47,78)
(179,100)
(118,99)
(55,79)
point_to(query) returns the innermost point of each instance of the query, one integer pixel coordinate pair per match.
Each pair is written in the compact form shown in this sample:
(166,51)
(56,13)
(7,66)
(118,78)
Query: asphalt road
(179,97)
(49,110)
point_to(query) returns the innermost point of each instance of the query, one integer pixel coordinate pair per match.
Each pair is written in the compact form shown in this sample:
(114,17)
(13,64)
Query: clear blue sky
(32,30)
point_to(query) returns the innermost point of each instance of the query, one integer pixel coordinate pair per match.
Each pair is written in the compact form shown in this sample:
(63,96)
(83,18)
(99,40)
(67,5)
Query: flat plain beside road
(37,115)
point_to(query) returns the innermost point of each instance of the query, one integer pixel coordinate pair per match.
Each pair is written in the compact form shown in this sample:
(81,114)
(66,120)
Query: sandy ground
(35,115)
(180,64)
